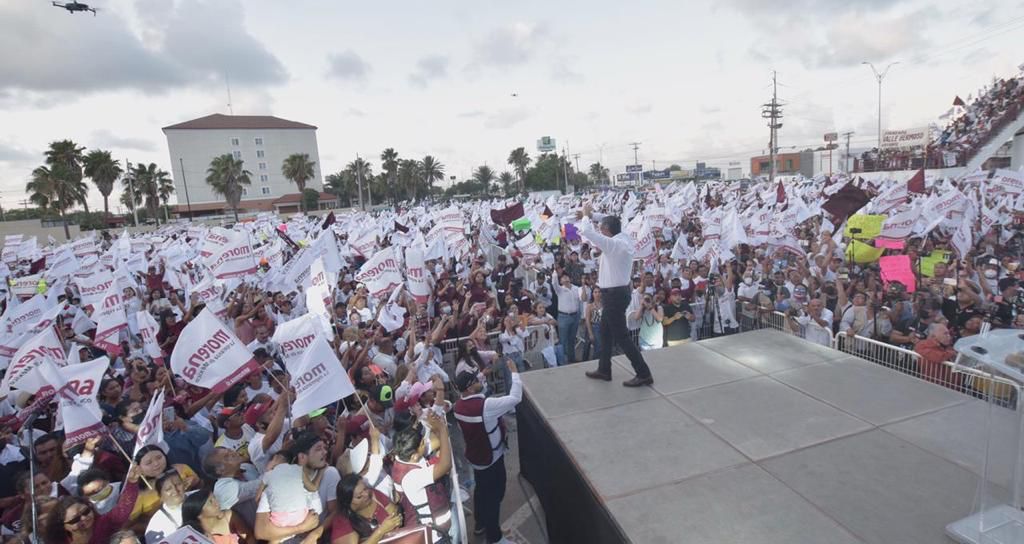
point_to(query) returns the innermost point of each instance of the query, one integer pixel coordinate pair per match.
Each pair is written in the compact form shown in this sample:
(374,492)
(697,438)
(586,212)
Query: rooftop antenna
(227,82)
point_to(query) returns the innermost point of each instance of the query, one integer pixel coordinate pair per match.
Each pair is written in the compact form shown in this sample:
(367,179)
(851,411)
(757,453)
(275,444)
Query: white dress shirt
(494,408)
(616,261)
(568,297)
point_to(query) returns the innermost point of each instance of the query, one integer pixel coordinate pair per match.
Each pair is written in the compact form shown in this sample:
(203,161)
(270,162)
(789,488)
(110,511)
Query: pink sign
(889,244)
(897,268)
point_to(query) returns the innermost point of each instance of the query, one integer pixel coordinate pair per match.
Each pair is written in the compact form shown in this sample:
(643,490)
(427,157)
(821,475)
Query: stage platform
(759,437)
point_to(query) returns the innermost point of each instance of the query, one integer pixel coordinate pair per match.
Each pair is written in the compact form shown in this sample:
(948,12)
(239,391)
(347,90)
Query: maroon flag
(400,227)
(916,182)
(547,212)
(328,221)
(846,202)
(508,215)
(780,193)
(958,101)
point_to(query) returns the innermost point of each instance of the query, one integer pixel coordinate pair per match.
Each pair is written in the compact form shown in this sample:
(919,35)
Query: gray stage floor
(763,437)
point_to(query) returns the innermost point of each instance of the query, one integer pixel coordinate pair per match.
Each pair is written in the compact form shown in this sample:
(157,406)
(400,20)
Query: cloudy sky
(684,78)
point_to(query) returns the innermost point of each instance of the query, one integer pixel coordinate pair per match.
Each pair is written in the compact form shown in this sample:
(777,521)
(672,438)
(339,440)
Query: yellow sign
(928,262)
(864,227)
(861,253)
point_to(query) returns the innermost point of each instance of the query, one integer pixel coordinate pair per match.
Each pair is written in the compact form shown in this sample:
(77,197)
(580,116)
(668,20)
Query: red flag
(846,202)
(958,101)
(328,221)
(780,193)
(400,227)
(916,183)
(508,215)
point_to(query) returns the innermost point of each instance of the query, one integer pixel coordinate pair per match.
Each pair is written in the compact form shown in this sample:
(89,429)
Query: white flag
(416,274)
(393,315)
(209,355)
(318,292)
(318,378)
(962,239)
(148,328)
(23,374)
(380,273)
(151,430)
(185,535)
(110,319)
(899,226)
(528,246)
(93,287)
(235,259)
(77,390)
(63,263)
(296,335)
(682,249)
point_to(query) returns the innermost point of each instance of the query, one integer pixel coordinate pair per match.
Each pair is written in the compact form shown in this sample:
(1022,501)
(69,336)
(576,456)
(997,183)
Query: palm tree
(299,169)
(506,180)
(519,160)
(52,192)
(389,164)
(598,173)
(64,159)
(361,172)
(409,177)
(341,184)
(164,190)
(104,171)
(483,175)
(227,176)
(431,170)
(148,178)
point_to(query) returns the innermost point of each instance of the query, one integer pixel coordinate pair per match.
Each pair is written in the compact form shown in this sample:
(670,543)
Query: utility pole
(131,188)
(185,183)
(636,160)
(577,157)
(359,180)
(565,168)
(773,112)
(846,160)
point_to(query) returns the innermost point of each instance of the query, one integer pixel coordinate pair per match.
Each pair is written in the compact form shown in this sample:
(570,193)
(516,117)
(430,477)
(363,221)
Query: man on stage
(613,271)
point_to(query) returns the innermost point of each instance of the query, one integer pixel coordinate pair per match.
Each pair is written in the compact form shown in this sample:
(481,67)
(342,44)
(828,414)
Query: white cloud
(511,45)
(428,69)
(104,139)
(506,118)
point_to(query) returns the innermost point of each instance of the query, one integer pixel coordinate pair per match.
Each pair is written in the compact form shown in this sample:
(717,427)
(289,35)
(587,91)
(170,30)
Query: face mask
(137,418)
(748,281)
(990,274)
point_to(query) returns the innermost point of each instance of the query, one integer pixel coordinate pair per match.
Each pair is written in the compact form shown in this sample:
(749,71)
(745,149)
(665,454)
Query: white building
(261,141)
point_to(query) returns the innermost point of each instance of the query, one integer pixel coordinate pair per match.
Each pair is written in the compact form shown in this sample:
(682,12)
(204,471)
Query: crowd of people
(972,125)
(431,312)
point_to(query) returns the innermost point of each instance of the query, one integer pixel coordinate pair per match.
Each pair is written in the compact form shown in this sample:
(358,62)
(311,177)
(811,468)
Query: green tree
(103,170)
(389,164)
(409,177)
(342,184)
(506,180)
(64,159)
(361,172)
(431,170)
(310,199)
(519,160)
(51,193)
(483,176)
(147,181)
(299,169)
(164,190)
(598,173)
(544,174)
(227,176)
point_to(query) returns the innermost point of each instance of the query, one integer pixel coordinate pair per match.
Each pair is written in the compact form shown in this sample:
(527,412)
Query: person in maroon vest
(480,419)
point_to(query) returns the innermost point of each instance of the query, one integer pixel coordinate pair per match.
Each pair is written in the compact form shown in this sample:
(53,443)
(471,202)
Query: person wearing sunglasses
(75,521)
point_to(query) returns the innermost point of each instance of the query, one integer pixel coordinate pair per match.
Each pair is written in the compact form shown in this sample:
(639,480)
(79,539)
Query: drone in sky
(74,7)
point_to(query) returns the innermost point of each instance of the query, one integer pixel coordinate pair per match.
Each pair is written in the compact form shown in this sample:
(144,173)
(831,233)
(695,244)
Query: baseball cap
(417,390)
(317,413)
(676,292)
(255,412)
(383,394)
(464,380)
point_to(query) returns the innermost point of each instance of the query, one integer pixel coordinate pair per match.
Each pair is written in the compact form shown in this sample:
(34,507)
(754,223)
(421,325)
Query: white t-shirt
(285,491)
(814,332)
(257,455)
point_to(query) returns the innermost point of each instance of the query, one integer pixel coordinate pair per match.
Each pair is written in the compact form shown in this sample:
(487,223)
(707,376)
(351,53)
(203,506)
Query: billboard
(657,174)
(905,139)
(831,136)
(634,168)
(626,177)
(546,144)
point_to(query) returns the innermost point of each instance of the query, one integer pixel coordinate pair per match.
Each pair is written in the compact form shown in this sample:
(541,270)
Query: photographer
(650,316)
(816,321)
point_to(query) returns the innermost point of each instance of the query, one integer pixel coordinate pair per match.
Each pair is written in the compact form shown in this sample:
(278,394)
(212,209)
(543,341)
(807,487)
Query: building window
(245,192)
(234,142)
(236,154)
(265,190)
(263,166)
(259,153)
(259,141)
(789,165)
(264,178)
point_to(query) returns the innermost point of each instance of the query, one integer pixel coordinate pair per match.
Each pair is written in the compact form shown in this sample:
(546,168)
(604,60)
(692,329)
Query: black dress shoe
(638,381)
(598,375)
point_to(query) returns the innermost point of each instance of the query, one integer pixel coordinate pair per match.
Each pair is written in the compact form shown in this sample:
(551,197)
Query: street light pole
(880,77)
(131,188)
(185,183)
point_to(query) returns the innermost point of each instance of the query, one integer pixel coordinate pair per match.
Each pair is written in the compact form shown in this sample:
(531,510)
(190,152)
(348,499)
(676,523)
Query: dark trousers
(487,497)
(615,300)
